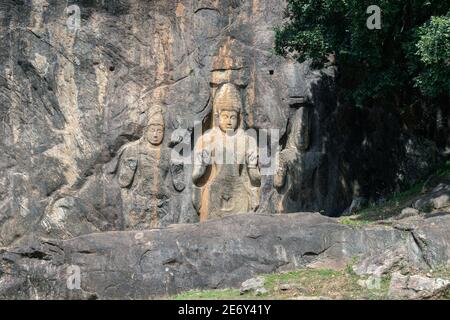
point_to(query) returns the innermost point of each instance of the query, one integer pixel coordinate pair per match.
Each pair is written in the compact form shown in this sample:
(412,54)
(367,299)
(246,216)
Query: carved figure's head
(227,104)
(155,131)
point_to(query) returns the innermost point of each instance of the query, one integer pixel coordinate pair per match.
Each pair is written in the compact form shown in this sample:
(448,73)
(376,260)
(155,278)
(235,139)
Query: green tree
(376,66)
(434,52)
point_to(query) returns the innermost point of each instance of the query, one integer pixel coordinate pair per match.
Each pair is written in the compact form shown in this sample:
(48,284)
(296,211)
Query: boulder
(417,287)
(407,212)
(437,199)
(252,284)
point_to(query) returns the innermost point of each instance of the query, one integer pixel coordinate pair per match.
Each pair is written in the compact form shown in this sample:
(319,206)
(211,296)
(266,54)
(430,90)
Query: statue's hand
(252,160)
(127,172)
(281,163)
(175,140)
(132,164)
(177,169)
(205,158)
(254,205)
(202,160)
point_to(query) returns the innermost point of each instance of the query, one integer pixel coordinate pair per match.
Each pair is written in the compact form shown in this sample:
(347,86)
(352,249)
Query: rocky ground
(300,255)
(389,275)
(327,284)
(426,198)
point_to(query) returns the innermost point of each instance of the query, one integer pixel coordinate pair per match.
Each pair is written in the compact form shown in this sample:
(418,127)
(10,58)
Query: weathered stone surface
(371,282)
(215,254)
(293,166)
(407,212)
(75,93)
(399,258)
(437,199)
(261,291)
(252,284)
(417,287)
(429,237)
(426,247)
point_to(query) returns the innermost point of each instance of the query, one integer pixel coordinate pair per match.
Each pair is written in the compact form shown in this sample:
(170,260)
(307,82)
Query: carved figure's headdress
(227,98)
(156,116)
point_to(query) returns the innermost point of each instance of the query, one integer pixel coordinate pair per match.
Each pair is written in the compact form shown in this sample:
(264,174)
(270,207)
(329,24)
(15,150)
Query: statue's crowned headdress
(227,98)
(156,116)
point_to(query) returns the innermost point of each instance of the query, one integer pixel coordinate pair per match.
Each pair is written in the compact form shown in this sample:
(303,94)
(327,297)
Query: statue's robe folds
(146,184)
(226,188)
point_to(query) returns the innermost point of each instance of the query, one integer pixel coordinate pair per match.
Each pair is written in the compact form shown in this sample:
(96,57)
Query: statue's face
(155,134)
(228,120)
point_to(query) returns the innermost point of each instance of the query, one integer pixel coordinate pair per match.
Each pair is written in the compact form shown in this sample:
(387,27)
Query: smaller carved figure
(287,179)
(149,179)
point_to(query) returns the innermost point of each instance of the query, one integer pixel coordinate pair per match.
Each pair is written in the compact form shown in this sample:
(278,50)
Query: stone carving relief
(149,179)
(291,162)
(226,174)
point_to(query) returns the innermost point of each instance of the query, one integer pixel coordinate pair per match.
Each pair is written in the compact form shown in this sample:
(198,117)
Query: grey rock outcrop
(417,287)
(436,199)
(407,212)
(218,253)
(252,284)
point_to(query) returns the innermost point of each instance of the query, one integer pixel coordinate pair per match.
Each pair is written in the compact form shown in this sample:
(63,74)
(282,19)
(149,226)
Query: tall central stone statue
(226,174)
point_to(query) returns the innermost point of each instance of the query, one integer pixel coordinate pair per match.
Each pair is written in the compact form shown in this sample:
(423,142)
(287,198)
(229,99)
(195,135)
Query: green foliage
(355,222)
(444,171)
(305,282)
(375,64)
(434,52)
(334,284)
(208,295)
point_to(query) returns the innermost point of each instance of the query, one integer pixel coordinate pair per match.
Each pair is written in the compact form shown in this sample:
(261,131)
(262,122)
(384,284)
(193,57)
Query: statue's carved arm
(253,169)
(280,175)
(280,178)
(127,171)
(203,159)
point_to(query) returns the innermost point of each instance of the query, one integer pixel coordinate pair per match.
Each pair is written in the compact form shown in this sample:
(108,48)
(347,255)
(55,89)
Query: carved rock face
(71,99)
